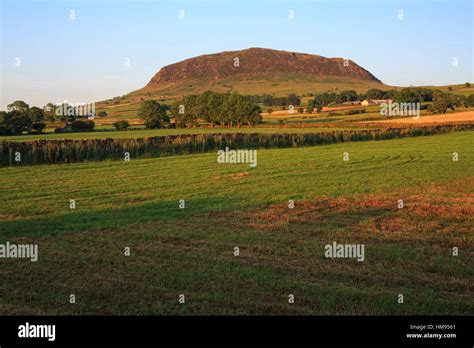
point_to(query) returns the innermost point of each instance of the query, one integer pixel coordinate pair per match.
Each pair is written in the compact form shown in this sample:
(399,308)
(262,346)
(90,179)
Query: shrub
(102,113)
(39,126)
(352,112)
(300,110)
(121,125)
(82,126)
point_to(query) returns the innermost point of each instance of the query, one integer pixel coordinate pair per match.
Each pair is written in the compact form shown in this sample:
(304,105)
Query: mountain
(255,63)
(255,71)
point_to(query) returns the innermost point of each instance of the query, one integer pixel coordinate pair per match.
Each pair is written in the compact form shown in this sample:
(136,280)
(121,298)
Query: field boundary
(70,151)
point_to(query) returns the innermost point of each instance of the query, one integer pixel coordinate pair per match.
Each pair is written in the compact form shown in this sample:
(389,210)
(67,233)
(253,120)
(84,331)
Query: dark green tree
(152,114)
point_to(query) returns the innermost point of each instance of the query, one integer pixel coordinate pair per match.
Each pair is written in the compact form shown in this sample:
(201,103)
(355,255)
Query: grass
(190,251)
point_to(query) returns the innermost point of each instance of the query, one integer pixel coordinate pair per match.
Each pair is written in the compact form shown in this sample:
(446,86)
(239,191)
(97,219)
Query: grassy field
(190,251)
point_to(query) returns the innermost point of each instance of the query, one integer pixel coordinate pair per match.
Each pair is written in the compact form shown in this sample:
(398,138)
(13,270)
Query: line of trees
(441,100)
(270,100)
(217,109)
(20,118)
(444,101)
(327,98)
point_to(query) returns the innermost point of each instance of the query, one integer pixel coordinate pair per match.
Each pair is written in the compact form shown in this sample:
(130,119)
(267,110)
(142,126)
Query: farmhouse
(375,102)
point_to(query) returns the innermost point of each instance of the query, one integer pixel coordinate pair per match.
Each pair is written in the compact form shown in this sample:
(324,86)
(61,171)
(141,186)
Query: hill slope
(257,71)
(255,63)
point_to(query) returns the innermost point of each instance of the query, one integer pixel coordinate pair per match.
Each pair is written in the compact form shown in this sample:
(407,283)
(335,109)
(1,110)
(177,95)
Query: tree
(470,100)
(102,113)
(215,102)
(176,112)
(249,112)
(18,105)
(4,129)
(426,94)
(310,106)
(268,100)
(375,93)
(440,103)
(293,99)
(50,112)
(152,114)
(17,119)
(36,114)
(467,85)
(17,122)
(409,95)
(188,110)
(230,109)
(121,125)
(346,96)
(39,126)
(269,111)
(82,126)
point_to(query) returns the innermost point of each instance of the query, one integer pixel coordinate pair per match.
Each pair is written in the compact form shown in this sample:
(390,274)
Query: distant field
(127,106)
(455,89)
(445,118)
(190,251)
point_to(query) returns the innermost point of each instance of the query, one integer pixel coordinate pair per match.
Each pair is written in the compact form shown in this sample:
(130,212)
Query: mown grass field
(190,251)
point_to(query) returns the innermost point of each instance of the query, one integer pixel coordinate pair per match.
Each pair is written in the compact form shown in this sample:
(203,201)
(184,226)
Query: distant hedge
(68,151)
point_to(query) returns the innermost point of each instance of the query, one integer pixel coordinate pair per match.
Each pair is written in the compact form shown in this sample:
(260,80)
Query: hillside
(255,71)
(255,63)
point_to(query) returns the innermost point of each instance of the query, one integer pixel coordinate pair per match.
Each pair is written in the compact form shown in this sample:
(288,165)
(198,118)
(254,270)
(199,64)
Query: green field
(190,251)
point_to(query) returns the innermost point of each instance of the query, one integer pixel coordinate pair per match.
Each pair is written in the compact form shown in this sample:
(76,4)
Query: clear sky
(84,58)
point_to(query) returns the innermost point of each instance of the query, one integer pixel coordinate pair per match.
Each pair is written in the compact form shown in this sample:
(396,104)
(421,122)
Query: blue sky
(83,59)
